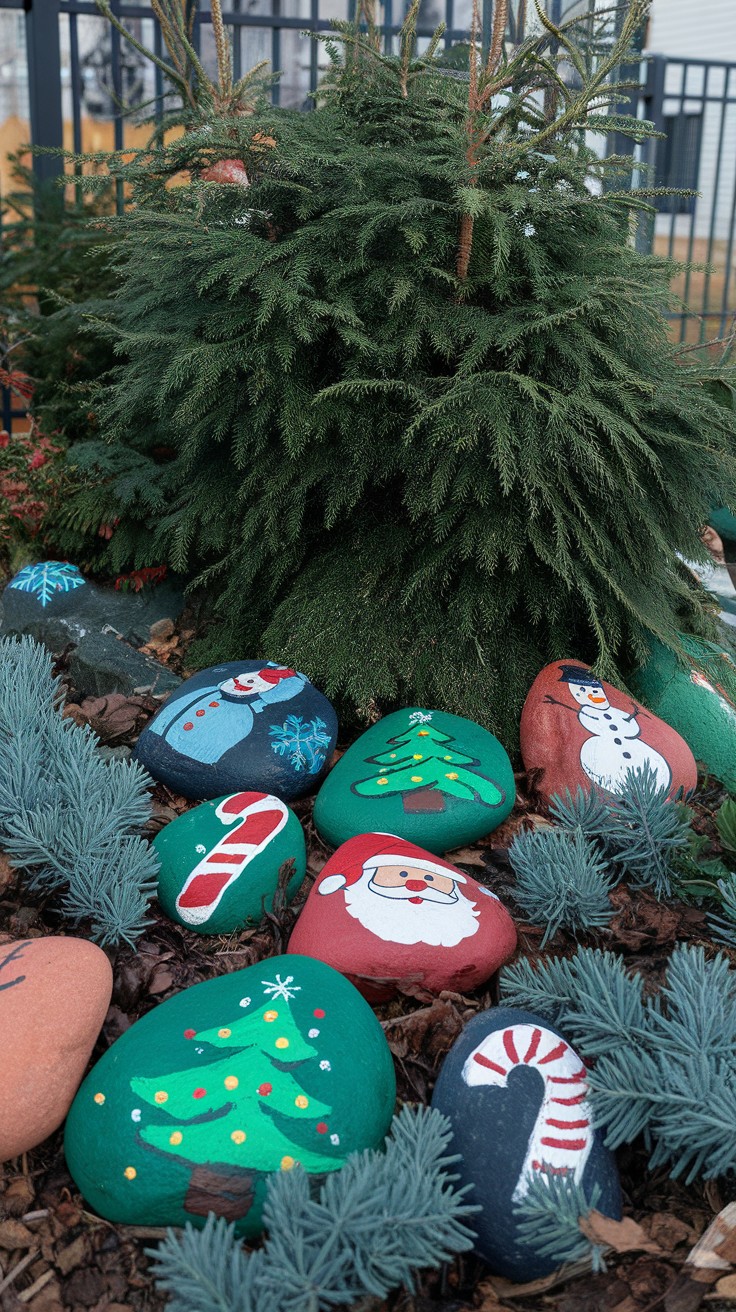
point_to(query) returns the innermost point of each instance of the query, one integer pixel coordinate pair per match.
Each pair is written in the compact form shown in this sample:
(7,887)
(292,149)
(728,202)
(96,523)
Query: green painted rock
(724,523)
(220,861)
(437,780)
(191,1110)
(696,699)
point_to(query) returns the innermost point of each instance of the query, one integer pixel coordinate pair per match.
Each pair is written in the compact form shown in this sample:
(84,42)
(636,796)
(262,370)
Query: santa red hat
(372,850)
(273,676)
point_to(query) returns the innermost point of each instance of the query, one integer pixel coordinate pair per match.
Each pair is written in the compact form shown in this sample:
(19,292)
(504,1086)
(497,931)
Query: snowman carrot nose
(591,698)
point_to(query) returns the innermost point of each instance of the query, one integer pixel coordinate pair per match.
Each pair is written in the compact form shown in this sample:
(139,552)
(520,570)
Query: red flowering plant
(29,471)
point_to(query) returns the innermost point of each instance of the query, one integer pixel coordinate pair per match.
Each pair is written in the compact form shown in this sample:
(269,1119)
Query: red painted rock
(580,731)
(384,910)
(54,995)
(227,170)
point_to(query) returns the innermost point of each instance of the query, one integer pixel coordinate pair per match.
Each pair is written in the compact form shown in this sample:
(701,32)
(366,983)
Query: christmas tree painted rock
(383,911)
(697,697)
(191,1110)
(435,779)
(517,1096)
(54,994)
(220,861)
(248,725)
(578,731)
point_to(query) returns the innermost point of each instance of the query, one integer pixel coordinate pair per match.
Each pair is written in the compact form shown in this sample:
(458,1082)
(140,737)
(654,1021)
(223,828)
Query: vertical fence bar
(693,213)
(314,47)
(76,85)
(44,86)
(714,202)
(117,91)
(731,224)
(158,77)
(276,51)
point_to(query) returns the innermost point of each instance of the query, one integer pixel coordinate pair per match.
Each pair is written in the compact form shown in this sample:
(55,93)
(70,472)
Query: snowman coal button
(563,736)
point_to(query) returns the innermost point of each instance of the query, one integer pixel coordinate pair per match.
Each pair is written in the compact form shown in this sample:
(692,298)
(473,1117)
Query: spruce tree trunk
(424,799)
(227,1192)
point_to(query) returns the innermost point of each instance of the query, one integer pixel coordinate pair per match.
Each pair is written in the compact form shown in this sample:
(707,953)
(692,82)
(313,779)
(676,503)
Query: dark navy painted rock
(247,725)
(516,1094)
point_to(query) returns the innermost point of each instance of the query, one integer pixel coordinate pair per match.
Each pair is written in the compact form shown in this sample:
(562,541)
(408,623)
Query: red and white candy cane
(262,817)
(562,1137)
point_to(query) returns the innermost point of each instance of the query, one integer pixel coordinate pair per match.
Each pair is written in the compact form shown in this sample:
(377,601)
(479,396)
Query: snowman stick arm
(554,702)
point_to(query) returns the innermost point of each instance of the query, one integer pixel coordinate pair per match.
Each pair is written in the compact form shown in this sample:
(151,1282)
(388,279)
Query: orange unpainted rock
(54,995)
(579,731)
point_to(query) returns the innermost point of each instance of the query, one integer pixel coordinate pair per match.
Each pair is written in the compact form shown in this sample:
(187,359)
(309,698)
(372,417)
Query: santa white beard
(438,920)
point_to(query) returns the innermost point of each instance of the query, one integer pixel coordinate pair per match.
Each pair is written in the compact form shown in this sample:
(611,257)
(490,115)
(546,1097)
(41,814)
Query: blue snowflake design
(47,579)
(301,742)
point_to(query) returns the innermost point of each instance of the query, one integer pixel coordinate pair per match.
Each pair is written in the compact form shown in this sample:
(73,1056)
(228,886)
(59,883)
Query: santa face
(411,904)
(590,694)
(244,685)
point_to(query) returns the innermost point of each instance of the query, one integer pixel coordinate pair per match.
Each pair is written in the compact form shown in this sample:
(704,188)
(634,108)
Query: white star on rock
(325,1066)
(283,988)
(135,1115)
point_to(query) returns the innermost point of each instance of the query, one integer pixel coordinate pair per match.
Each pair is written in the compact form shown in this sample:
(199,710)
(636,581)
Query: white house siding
(706,31)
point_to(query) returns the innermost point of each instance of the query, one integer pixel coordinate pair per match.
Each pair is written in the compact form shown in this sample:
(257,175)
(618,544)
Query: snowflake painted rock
(54,994)
(220,861)
(248,725)
(697,698)
(258,1071)
(383,910)
(49,582)
(435,779)
(577,731)
(517,1096)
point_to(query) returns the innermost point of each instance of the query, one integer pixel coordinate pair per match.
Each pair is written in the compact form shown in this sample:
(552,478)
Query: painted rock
(723,522)
(697,698)
(54,995)
(385,910)
(435,779)
(247,725)
(199,1102)
(516,1094)
(220,861)
(580,731)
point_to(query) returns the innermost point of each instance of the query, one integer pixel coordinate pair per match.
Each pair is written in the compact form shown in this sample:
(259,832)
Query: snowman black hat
(578,674)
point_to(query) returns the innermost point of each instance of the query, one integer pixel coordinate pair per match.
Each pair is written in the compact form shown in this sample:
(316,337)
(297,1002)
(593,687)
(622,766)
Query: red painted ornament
(321,1127)
(190,1034)
(199,1093)
(265,1089)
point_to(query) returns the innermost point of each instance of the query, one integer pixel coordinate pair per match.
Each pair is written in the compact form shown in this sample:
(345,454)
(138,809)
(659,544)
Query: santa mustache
(400,893)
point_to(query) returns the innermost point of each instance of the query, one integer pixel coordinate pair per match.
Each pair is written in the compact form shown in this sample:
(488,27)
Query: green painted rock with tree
(191,1110)
(220,862)
(697,697)
(435,779)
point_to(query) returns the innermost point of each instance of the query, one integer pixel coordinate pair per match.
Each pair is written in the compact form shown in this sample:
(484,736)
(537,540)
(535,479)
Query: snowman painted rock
(383,910)
(435,779)
(695,699)
(579,731)
(258,1071)
(220,861)
(516,1094)
(54,995)
(247,725)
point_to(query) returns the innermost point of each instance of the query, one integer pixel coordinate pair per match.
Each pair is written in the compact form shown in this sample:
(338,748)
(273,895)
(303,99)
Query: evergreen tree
(423,768)
(405,402)
(241,1100)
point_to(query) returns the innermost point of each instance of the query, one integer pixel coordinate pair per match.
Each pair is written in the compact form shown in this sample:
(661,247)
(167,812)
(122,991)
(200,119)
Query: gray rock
(102,663)
(115,753)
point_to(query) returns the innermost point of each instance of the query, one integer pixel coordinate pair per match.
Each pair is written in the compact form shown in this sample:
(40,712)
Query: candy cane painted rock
(517,1096)
(383,910)
(220,861)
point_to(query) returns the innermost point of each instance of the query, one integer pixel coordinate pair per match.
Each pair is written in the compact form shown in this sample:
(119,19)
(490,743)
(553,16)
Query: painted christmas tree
(225,1117)
(422,766)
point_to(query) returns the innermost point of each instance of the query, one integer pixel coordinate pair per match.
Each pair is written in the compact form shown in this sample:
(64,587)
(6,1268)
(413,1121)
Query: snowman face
(590,694)
(244,685)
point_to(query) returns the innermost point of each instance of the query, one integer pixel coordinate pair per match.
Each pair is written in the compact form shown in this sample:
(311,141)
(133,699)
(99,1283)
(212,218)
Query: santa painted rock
(517,1096)
(384,911)
(198,1103)
(54,995)
(220,861)
(697,698)
(579,731)
(435,779)
(248,725)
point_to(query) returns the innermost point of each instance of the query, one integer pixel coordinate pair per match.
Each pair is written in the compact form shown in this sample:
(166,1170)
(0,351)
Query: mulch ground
(55,1254)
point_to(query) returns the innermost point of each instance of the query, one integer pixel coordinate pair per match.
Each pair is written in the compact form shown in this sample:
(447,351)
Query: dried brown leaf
(625,1236)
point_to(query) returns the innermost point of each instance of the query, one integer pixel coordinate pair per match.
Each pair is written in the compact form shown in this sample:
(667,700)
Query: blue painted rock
(579,731)
(697,697)
(247,725)
(220,861)
(437,780)
(192,1109)
(54,995)
(516,1094)
(384,911)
